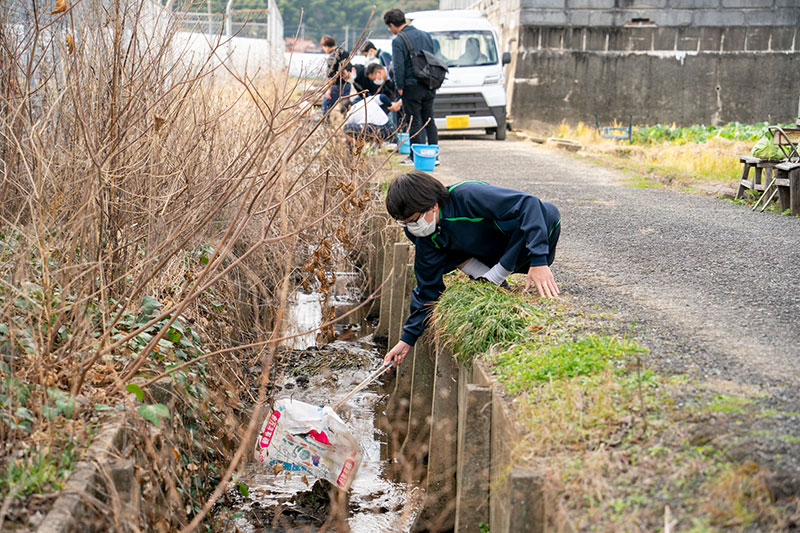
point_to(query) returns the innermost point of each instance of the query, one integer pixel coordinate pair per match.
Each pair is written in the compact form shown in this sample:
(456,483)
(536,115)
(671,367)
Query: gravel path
(713,287)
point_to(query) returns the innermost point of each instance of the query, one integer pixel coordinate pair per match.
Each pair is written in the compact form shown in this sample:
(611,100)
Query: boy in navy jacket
(486,231)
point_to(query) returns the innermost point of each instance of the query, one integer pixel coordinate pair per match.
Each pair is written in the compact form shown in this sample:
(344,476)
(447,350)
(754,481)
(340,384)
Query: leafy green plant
(181,340)
(14,395)
(37,471)
(60,404)
(665,133)
(152,412)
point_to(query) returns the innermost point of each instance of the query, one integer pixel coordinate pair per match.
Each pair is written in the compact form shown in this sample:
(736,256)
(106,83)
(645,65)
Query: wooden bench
(761,174)
(787,180)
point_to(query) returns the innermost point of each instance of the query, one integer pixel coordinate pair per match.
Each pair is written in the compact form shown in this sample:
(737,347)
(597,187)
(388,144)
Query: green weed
(523,366)
(789,439)
(476,318)
(728,404)
(37,471)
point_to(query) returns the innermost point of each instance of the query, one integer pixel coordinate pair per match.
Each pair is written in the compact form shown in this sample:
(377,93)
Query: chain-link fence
(252,37)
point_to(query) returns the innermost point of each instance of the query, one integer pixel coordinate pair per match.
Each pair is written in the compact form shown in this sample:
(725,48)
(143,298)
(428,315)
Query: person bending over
(486,231)
(368,121)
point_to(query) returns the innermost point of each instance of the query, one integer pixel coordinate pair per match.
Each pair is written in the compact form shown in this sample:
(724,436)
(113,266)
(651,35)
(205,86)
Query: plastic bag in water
(311,439)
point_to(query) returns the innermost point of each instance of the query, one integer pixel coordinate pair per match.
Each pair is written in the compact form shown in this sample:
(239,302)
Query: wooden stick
(369,379)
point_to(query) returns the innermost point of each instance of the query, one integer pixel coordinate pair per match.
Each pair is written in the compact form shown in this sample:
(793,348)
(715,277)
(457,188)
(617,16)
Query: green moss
(789,439)
(728,404)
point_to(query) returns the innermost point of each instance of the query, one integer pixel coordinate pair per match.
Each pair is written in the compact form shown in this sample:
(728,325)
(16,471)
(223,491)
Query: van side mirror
(506,58)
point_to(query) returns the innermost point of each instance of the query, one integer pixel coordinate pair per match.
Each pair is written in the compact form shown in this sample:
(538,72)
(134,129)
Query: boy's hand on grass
(541,278)
(397,354)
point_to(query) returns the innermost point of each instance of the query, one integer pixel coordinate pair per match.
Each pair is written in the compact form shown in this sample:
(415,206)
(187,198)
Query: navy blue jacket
(401,59)
(491,224)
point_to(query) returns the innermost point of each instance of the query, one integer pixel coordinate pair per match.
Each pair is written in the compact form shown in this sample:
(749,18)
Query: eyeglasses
(405,224)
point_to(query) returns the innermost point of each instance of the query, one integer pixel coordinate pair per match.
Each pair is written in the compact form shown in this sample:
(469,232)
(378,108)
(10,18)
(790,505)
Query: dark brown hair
(327,40)
(372,68)
(415,192)
(395,17)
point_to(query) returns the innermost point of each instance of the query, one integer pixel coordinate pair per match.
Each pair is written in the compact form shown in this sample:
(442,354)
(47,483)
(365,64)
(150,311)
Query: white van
(474,94)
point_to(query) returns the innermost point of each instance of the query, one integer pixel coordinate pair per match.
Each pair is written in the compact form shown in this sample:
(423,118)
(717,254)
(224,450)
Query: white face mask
(421,227)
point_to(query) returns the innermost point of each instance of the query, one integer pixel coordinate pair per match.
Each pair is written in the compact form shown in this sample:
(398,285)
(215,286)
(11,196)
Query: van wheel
(500,132)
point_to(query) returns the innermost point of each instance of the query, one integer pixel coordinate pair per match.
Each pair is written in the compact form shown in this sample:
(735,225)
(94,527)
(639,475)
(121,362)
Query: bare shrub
(131,169)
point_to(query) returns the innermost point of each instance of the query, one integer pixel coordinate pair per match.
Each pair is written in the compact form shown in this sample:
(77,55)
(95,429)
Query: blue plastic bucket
(403,144)
(425,156)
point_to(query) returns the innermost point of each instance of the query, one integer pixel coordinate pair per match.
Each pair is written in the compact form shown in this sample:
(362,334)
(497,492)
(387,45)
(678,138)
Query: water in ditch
(379,499)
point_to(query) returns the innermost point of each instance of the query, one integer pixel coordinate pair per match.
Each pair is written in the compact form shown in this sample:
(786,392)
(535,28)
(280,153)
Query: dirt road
(713,288)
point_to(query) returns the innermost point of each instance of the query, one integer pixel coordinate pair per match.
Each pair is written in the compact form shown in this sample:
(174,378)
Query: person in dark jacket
(381,84)
(417,100)
(362,83)
(373,54)
(488,232)
(336,60)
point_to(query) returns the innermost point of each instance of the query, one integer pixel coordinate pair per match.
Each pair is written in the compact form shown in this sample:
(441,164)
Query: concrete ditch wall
(456,421)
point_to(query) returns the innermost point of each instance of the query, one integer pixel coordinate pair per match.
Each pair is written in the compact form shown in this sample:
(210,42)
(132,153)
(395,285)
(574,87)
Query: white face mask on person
(421,227)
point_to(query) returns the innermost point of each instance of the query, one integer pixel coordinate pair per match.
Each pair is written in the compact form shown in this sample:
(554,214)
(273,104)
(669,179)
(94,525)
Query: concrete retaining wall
(683,61)
(659,12)
(683,75)
(459,420)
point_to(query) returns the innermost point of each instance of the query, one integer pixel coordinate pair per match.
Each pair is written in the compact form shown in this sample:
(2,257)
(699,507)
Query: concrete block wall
(692,75)
(663,13)
(655,39)
(683,61)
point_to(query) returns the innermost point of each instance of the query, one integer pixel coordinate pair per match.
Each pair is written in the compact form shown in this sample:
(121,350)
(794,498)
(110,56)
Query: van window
(465,48)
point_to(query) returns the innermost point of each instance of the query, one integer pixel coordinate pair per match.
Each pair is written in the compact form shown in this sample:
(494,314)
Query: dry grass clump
(715,159)
(739,496)
(135,177)
(618,453)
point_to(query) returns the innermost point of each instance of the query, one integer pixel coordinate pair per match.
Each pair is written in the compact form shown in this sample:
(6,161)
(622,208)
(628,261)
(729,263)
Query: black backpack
(429,70)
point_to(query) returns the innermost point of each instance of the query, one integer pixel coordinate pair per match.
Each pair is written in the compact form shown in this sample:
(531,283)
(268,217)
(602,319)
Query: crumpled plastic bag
(766,149)
(311,439)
